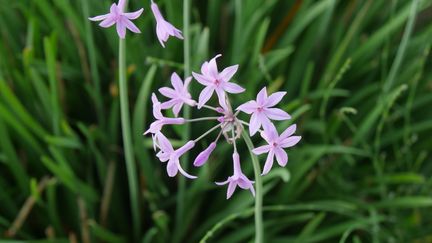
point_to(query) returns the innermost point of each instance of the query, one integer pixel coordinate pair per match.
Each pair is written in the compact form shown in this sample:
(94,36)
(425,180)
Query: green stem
(127,140)
(180,222)
(259,232)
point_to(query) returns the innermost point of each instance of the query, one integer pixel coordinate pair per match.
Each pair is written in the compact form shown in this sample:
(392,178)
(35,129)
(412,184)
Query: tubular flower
(229,126)
(163,28)
(237,179)
(215,81)
(262,111)
(179,95)
(276,145)
(120,18)
(167,153)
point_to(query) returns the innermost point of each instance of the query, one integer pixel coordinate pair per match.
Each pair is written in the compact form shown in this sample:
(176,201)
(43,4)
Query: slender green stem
(259,232)
(186,114)
(127,141)
(210,118)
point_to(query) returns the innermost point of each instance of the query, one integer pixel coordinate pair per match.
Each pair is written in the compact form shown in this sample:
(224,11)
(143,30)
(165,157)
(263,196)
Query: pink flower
(276,145)
(237,179)
(167,153)
(215,81)
(163,28)
(262,110)
(179,95)
(120,18)
(204,155)
(157,125)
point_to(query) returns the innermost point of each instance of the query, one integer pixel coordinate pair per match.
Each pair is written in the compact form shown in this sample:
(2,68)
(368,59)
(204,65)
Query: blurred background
(359,84)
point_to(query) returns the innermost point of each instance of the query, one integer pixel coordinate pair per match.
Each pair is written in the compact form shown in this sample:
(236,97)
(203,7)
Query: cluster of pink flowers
(123,21)
(261,111)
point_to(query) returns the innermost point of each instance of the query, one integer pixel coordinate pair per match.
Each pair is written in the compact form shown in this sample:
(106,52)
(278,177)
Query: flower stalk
(259,231)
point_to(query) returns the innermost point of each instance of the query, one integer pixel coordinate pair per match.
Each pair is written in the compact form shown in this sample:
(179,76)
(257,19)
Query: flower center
(260,109)
(217,82)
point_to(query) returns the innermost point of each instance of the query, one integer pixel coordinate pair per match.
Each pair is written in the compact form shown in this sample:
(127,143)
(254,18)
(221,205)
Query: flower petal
(212,67)
(161,34)
(202,79)
(100,17)
(204,96)
(254,124)
(281,157)
(176,109)
(172,168)
(262,97)
(222,98)
(133,15)
(131,26)
(248,107)
(223,182)
(231,188)
(261,150)
(121,29)
(228,73)
(269,163)
(289,142)
(288,132)
(121,5)
(233,88)
(277,114)
(108,22)
(184,173)
(168,92)
(274,99)
(164,143)
(176,82)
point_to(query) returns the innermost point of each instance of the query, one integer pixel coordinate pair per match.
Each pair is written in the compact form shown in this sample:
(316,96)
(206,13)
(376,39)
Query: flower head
(164,29)
(237,179)
(262,110)
(276,145)
(157,125)
(120,18)
(215,81)
(167,153)
(178,96)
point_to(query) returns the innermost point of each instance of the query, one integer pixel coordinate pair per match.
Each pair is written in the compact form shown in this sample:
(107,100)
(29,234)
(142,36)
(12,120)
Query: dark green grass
(359,81)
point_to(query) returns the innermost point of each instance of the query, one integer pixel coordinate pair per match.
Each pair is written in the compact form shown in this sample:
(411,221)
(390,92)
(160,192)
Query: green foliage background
(358,77)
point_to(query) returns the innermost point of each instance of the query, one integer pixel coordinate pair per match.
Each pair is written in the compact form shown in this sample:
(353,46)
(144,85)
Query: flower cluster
(262,112)
(123,21)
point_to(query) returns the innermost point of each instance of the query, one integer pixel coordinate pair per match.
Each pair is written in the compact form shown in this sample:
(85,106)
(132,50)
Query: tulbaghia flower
(275,146)
(178,96)
(262,110)
(163,28)
(204,155)
(237,179)
(215,81)
(167,153)
(120,18)
(157,125)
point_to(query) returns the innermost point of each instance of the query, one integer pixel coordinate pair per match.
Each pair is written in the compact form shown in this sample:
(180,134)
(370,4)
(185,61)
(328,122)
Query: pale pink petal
(270,133)
(184,173)
(222,182)
(176,109)
(202,79)
(228,73)
(231,188)
(176,82)
(172,168)
(164,143)
(161,34)
(131,26)
(244,183)
(204,96)
(155,9)
(204,68)
(269,163)
(168,92)
(254,124)
(121,5)
(133,15)
(204,155)
(100,17)
(277,114)
(281,157)
(233,88)
(262,97)
(289,142)
(108,22)
(114,9)
(261,150)
(121,29)
(274,99)
(212,67)
(288,132)
(168,104)
(222,98)
(248,107)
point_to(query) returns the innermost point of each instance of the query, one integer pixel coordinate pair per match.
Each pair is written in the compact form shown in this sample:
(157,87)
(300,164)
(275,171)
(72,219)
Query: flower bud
(204,155)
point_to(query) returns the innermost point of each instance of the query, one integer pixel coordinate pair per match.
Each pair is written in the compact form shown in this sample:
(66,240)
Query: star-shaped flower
(157,125)
(276,145)
(167,153)
(120,18)
(179,95)
(262,110)
(237,179)
(164,29)
(215,81)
